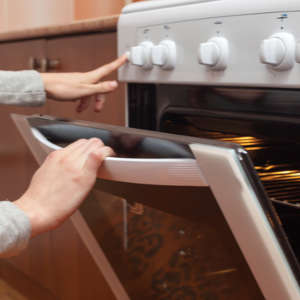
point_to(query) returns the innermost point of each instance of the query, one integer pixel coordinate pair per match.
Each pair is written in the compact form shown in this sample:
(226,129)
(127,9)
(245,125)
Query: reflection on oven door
(159,255)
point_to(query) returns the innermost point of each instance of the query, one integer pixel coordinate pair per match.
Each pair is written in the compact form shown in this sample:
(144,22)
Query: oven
(202,199)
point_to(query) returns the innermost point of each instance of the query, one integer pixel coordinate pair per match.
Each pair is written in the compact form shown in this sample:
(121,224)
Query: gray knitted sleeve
(23,88)
(15,229)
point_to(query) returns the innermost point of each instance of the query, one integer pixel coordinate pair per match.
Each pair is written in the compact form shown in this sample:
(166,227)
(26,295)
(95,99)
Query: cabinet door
(17,164)
(84,53)
(58,261)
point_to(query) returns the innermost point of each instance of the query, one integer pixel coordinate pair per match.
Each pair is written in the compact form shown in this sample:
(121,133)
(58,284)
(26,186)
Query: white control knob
(298,53)
(278,51)
(164,55)
(141,55)
(214,53)
(272,51)
(209,54)
(159,55)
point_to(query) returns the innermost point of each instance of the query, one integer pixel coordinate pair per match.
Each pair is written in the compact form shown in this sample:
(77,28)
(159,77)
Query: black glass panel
(168,243)
(124,144)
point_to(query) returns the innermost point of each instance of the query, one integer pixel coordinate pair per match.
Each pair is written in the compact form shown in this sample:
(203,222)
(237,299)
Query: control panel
(259,50)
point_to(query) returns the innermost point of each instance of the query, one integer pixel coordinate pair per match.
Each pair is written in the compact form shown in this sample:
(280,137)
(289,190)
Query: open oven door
(175,217)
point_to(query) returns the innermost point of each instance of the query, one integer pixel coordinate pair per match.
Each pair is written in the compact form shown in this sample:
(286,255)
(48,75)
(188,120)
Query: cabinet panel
(84,53)
(57,261)
(17,164)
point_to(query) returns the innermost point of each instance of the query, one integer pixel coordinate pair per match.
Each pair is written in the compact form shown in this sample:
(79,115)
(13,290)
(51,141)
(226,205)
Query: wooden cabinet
(57,262)
(85,53)
(17,164)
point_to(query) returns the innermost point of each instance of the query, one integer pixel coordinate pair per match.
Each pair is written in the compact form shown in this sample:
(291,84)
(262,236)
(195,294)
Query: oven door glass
(174,217)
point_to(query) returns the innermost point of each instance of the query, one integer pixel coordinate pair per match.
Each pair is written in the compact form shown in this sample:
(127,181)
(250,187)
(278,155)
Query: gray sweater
(24,88)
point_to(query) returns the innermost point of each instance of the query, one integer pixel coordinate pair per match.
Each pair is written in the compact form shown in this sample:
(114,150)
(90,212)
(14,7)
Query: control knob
(214,53)
(141,55)
(164,55)
(278,51)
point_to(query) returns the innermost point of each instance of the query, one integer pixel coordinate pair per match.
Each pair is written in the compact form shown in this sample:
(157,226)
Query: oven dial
(141,55)
(164,55)
(278,51)
(298,53)
(214,53)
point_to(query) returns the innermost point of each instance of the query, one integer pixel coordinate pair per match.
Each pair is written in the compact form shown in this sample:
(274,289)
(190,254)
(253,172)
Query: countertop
(101,24)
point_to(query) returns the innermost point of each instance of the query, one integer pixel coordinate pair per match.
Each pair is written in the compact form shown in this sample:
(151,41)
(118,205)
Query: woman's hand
(82,87)
(62,182)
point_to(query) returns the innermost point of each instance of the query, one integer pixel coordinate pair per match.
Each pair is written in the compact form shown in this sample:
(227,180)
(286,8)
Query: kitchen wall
(22,14)
(19,14)
(2,15)
(86,9)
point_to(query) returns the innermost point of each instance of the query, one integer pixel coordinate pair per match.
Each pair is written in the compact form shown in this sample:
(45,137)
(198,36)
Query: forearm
(24,88)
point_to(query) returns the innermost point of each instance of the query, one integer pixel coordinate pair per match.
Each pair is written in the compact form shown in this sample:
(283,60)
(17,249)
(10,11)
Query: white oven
(203,198)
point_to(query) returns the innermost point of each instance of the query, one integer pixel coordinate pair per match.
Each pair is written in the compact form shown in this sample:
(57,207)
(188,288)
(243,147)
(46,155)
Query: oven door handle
(153,171)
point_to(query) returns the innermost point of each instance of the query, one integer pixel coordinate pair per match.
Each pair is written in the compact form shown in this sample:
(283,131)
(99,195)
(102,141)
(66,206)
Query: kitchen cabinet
(17,164)
(85,53)
(57,261)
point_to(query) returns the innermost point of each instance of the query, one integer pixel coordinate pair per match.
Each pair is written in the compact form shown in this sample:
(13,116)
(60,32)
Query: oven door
(175,217)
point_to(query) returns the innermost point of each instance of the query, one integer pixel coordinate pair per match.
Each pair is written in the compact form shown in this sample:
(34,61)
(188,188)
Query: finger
(83,104)
(68,151)
(75,145)
(83,90)
(93,143)
(102,87)
(99,103)
(96,157)
(96,75)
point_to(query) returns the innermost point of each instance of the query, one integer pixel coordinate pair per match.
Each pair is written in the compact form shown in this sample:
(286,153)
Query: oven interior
(266,122)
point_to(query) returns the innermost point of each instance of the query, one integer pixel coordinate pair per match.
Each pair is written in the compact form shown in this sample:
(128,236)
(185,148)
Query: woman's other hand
(61,184)
(83,87)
